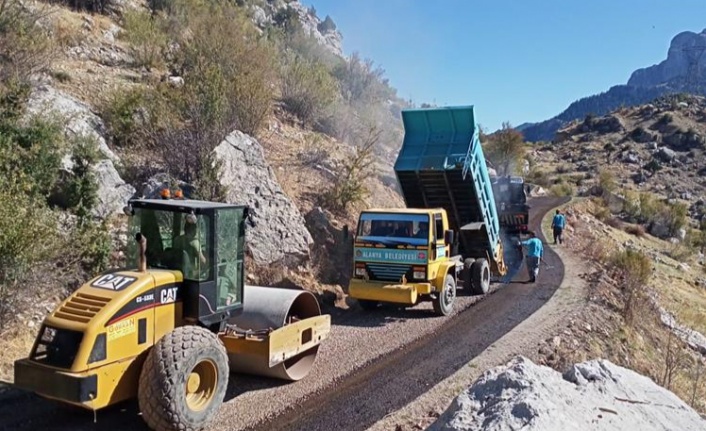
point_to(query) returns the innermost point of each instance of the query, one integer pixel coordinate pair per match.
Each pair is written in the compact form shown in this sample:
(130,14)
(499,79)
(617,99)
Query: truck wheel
(183,380)
(368,305)
(443,303)
(480,275)
(466,274)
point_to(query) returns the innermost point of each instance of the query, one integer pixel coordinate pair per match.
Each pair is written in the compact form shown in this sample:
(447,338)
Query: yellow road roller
(170,328)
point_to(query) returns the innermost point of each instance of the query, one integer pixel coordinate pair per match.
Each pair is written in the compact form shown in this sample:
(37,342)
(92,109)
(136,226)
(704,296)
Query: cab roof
(402,210)
(181,205)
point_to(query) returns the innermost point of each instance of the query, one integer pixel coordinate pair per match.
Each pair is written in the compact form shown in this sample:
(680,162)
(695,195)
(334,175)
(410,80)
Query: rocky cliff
(683,66)
(324,32)
(682,71)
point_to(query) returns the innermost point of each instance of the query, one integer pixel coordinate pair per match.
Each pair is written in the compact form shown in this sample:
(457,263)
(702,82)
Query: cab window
(176,241)
(439,227)
(230,253)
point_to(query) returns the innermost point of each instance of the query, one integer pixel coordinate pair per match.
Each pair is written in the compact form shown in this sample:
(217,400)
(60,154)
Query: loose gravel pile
(591,395)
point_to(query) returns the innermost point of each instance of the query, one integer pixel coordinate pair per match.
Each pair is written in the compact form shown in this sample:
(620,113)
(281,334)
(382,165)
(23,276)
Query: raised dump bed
(441,165)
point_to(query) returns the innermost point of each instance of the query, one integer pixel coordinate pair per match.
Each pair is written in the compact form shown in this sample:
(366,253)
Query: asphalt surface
(391,383)
(373,363)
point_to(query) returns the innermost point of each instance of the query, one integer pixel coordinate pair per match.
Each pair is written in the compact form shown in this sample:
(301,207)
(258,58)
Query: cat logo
(168,295)
(113,282)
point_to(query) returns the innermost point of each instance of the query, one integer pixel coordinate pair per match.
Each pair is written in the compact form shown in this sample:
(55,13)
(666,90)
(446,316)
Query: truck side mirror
(449,237)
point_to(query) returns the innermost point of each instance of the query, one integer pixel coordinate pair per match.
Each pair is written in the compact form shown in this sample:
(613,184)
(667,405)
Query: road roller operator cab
(204,241)
(170,328)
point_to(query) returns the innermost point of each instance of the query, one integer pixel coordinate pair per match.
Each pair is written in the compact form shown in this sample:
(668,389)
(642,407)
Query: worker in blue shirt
(535,252)
(558,224)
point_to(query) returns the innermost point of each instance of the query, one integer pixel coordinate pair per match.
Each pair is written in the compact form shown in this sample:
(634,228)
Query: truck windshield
(394,228)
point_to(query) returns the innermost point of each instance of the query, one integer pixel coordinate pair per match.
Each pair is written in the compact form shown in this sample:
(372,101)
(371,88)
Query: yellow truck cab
(402,256)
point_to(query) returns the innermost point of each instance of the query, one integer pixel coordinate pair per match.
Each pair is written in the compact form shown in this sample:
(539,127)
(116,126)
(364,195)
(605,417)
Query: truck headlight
(360,272)
(419,275)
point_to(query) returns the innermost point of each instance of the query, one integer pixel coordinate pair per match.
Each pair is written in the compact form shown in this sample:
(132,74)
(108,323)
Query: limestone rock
(278,232)
(595,394)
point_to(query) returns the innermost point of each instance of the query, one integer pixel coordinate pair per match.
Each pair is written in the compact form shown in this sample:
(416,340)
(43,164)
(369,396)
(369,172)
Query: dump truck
(448,234)
(511,203)
(170,327)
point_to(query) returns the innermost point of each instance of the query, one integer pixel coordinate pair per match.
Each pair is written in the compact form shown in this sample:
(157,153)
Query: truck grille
(388,271)
(81,307)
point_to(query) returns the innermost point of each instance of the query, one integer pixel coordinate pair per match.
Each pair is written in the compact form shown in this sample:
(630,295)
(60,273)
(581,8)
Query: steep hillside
(250,101)
(681,71)
(657,148)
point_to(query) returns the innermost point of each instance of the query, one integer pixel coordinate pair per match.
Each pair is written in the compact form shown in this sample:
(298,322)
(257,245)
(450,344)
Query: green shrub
(98,6)
(94,246)
(30,154)
(28,236)
(562,189)
(308,90)
(665,119)
(241,72)
(653,166)
(82,188)
(539,177)
(649,207)
(607,182)
(61,76)
(360,81)
(146,38)
(121,114)
(601,212)
(631,207)
(350,186)
(25,47)
(633,269)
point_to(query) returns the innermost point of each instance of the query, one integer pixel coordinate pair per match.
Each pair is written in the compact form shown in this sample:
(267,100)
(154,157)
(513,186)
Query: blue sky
(516,61)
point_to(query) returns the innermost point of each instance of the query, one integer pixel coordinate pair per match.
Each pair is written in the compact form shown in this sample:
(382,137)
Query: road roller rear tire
(183,380)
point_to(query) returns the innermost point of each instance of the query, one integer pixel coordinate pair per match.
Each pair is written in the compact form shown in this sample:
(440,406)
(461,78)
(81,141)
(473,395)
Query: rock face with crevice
(592,395)
(277,232)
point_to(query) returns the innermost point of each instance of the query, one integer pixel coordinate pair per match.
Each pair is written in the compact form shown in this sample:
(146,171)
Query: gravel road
(372,364)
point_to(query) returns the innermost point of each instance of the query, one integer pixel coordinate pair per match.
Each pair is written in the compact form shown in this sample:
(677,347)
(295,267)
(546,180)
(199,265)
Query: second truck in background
(449,234)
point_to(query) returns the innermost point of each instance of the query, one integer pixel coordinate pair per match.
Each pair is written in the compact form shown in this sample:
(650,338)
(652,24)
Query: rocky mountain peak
(683,71)
(684,60)
(324,31)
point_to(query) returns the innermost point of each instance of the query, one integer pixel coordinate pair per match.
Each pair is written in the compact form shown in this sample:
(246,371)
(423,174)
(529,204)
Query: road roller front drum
(277,334)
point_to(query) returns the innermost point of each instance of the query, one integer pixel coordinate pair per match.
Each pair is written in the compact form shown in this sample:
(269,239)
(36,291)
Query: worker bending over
(535,252)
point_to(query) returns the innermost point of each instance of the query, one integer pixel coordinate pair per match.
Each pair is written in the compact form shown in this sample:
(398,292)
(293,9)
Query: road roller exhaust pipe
(277,334)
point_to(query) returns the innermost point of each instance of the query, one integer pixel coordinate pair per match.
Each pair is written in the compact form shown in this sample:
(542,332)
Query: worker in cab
(401,230)
(535,252)
(422,231)
(190,244)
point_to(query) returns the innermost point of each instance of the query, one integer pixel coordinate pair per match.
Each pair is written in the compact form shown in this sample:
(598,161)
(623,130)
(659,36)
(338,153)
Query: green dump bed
(441,165)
